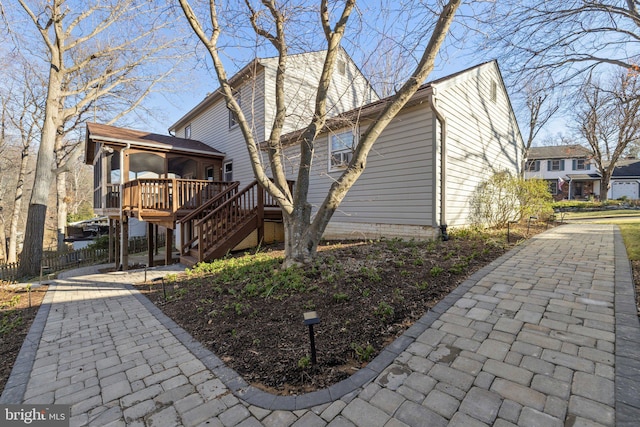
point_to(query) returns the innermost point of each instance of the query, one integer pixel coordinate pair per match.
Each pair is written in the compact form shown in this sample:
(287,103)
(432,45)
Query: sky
(401,26)
(367,27)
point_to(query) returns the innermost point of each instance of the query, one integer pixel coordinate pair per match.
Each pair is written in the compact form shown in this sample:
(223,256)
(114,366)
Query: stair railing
(213,228)
(188,234)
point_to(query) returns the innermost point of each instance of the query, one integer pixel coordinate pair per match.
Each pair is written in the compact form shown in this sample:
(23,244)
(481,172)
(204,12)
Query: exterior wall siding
(212,128)
(337,230)
(346,92)
(482,136)
(395,190)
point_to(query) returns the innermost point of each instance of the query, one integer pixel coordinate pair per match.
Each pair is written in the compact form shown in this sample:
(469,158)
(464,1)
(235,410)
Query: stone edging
(627,346)
(344,389)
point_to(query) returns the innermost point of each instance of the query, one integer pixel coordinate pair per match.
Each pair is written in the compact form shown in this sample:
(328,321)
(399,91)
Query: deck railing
(168,194)
(113,197)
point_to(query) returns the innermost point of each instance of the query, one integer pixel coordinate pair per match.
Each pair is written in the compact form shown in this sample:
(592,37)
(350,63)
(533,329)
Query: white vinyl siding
(482,136)
(396,186)
(257,99)
(212,128)
(346,92)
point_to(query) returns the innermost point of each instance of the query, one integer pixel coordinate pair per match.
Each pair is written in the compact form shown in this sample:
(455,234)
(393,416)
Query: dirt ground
(16,317)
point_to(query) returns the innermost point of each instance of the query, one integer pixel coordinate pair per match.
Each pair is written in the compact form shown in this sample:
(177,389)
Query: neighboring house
(625,180)
(421,174)
(426,165)
(568,169)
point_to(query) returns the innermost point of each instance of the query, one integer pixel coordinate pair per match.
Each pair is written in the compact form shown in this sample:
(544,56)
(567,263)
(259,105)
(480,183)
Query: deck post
(168,246)
(116,225)
(125,243)
(111,240)
(260,214)
(150,245)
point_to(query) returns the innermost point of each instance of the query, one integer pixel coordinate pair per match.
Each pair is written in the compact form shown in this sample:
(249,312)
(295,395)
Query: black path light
(311,318)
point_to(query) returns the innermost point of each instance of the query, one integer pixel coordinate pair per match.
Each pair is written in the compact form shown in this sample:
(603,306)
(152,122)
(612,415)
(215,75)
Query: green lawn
(631,235)
(598,214)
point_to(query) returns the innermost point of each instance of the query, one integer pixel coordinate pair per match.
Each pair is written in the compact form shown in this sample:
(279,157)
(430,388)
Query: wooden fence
(54,262)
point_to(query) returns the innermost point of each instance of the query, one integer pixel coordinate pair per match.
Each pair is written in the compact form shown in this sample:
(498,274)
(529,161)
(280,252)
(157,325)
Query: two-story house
(421,174)
(176,181)
(211,121)
(568,169)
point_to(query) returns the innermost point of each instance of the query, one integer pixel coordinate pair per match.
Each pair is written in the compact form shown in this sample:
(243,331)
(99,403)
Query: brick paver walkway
(547,335)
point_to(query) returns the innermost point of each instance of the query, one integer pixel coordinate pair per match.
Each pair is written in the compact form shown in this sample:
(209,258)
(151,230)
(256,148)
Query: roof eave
(210,99)
(159,147)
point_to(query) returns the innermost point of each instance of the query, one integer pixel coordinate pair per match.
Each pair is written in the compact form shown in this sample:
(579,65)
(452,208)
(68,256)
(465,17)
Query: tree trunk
(12,254)
(604,185)
(299,247)
(61,204)
(31,257)
(3,243)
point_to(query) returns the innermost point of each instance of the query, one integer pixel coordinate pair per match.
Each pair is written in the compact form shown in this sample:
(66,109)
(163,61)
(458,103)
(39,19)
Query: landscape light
(311,318)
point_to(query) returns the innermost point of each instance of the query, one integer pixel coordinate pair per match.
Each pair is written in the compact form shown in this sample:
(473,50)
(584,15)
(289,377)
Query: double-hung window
(555,165)
(227,172)
(341,146)
(533,166)
(581,164)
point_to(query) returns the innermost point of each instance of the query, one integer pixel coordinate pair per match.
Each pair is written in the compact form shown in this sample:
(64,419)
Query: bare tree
(541,106)
(565,37)
(609,120)
(93,51)
(270,21)
(23,111)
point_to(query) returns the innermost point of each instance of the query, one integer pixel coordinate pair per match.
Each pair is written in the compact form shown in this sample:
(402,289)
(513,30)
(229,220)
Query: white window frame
(532,166)
(552,165)
(227,171)
(577,167)
(553,186)
(339,159)
(187,131)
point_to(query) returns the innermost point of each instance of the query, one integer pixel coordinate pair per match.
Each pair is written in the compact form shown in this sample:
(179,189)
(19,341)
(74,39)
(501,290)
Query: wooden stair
(217,227)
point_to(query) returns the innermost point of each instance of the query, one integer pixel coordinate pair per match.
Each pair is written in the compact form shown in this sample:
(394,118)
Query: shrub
(504,197)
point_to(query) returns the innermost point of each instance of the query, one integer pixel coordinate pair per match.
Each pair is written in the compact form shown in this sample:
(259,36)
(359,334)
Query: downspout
(122,242)
(443,164)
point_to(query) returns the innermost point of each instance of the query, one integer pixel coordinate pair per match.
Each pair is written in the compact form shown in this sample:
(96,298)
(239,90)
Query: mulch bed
(365,293)
(16,317)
